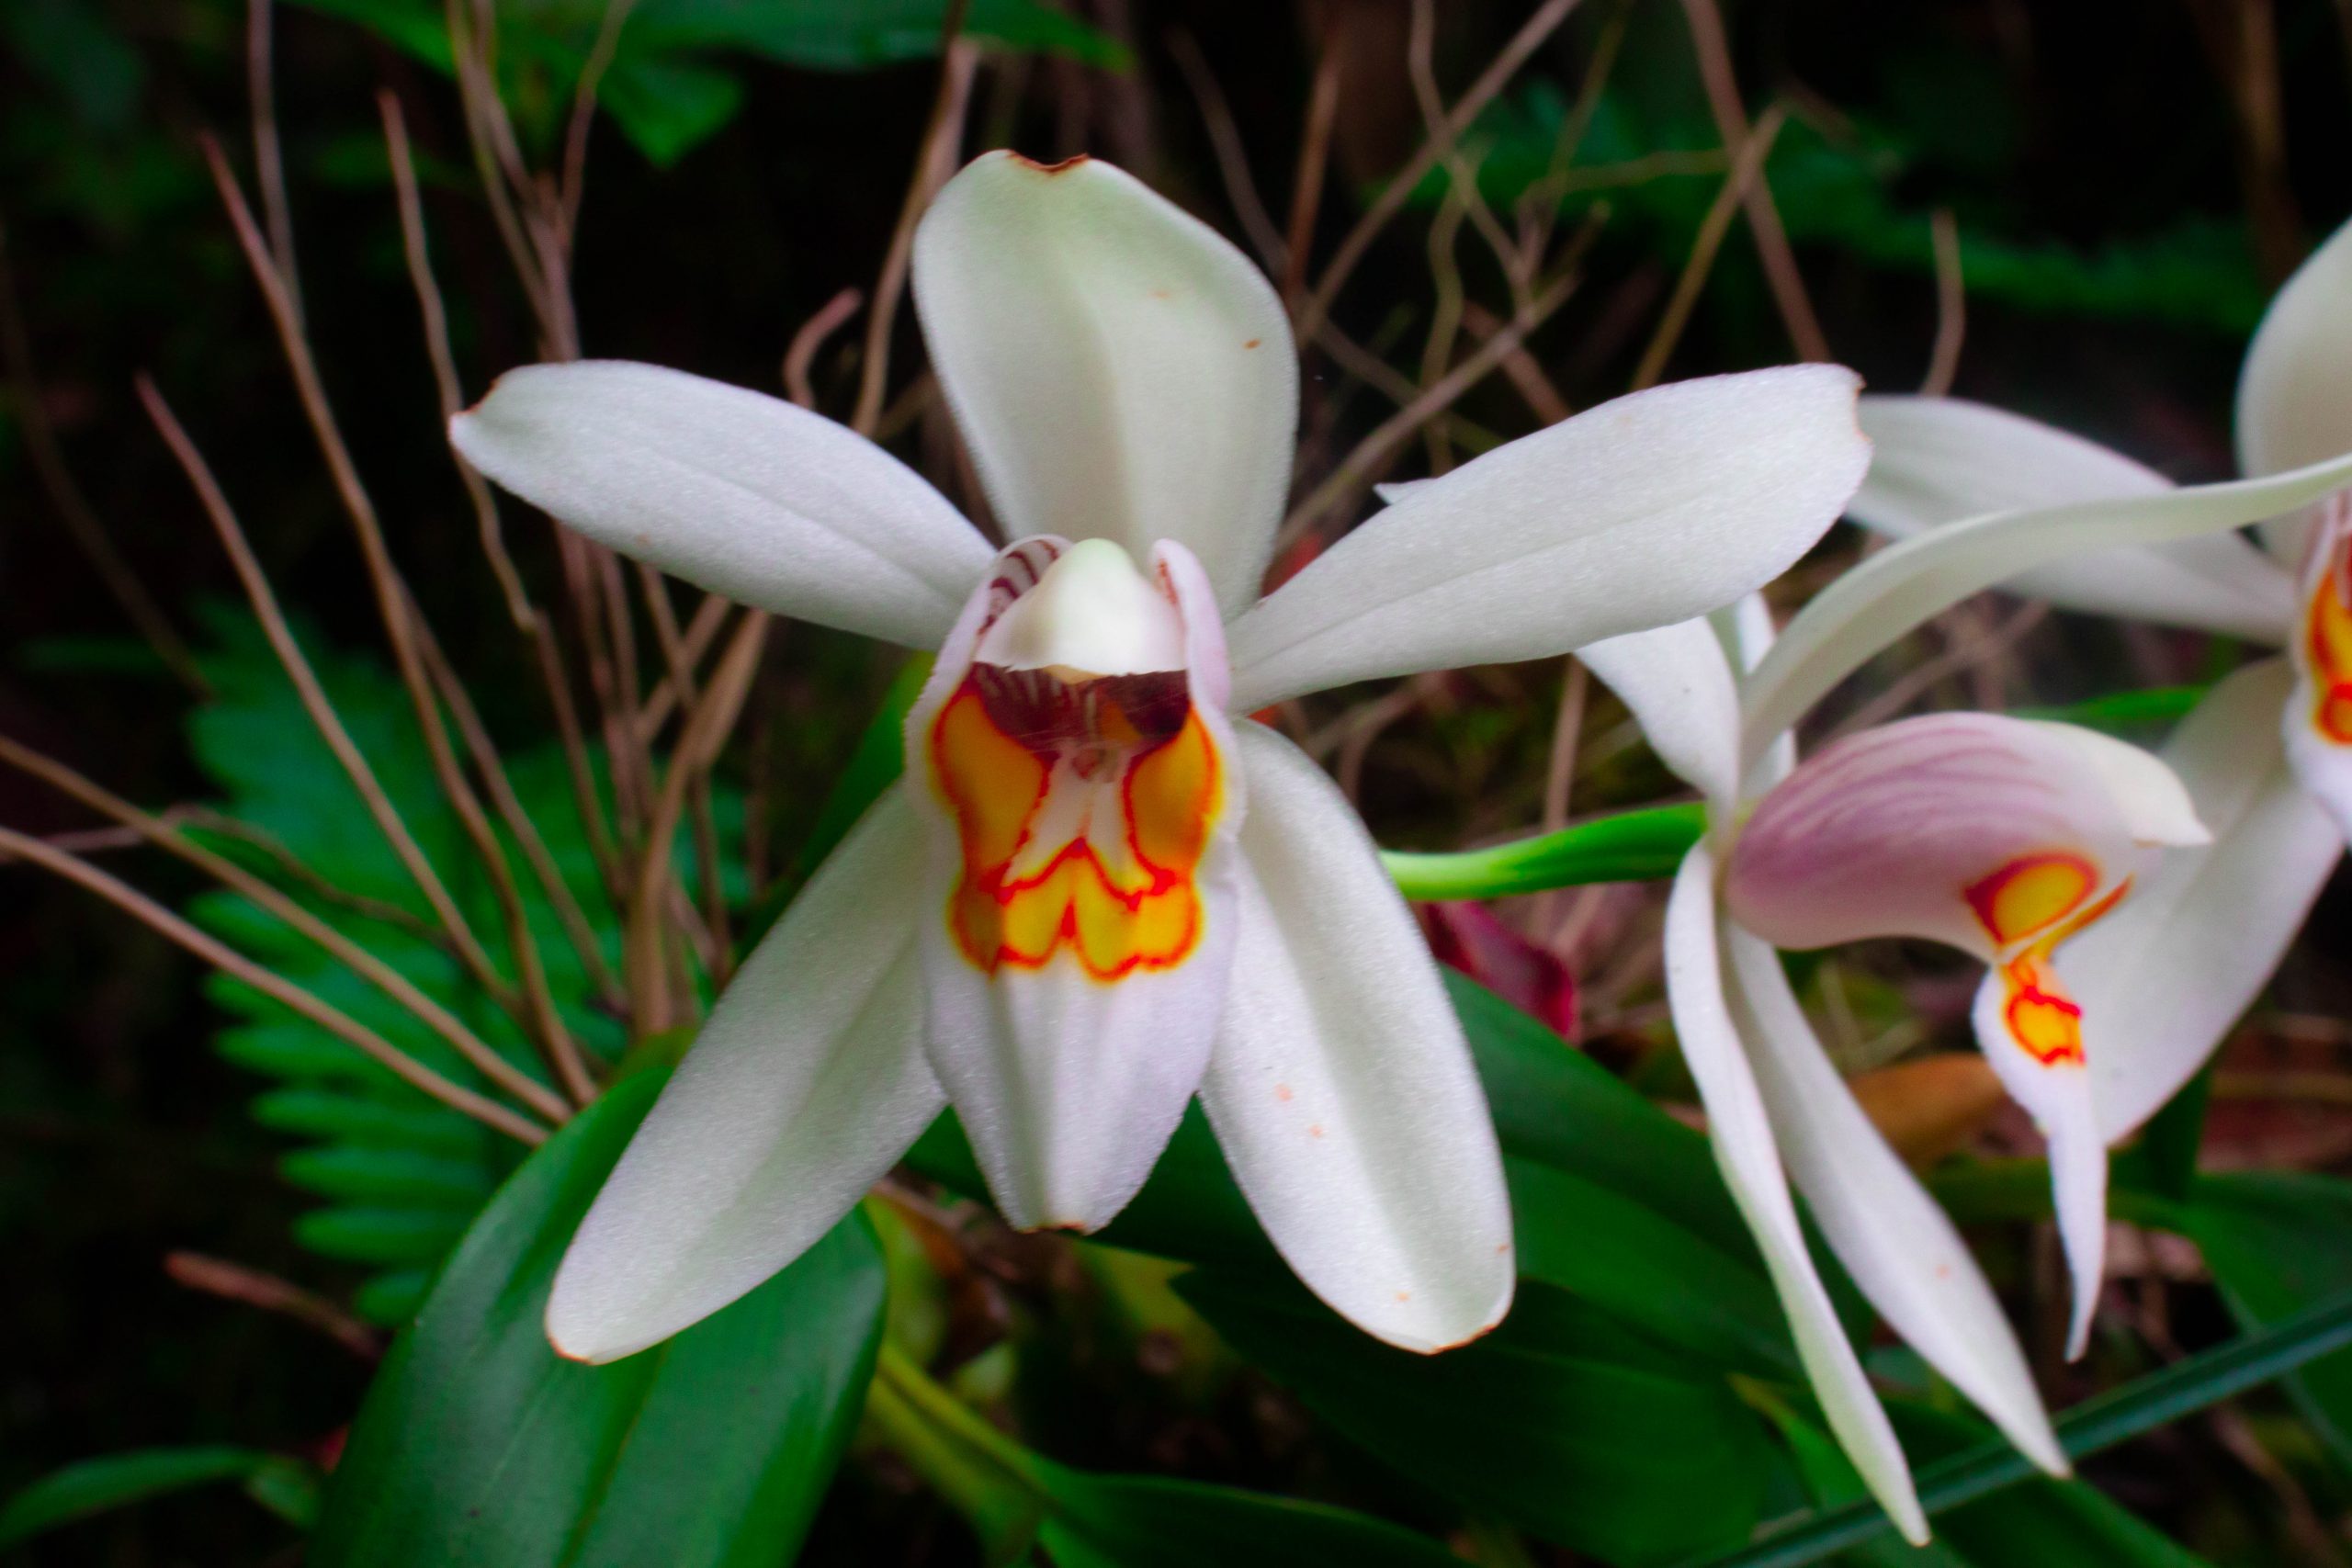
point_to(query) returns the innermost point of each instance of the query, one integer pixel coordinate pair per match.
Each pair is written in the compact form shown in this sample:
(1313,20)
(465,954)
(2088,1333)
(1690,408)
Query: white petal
(2295,391)
(1917,827)
(1742,1137)
(1896,1242)
(2057,1093)
(1889,594)
(807,1085)
(1940,461)
(2163,978)
(1118,369)
(1342,1089)
(1071,1021)
(1678,683)
(1646,511)
(741,493)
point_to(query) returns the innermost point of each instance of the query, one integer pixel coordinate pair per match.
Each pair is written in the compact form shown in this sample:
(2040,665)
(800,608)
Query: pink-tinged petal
(1940,460)
(2162,979)
(2030,1029)
(743,494)
(1971,829)
(1077,927)
(804,1087)
(1699,992)
(1640,512)
(1342,1089)
(1898,1244)
(1118,369)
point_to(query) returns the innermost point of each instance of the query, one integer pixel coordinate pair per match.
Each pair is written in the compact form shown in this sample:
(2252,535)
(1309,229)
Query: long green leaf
(478,1445)
(97,1486)
(2139,1406)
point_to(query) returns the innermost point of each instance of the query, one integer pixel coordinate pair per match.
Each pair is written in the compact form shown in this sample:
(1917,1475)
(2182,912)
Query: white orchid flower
(1997,836)
(2267,754)
(1099,891)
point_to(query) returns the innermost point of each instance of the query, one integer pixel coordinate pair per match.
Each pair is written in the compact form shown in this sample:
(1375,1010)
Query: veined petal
(1940,460)
(1117,369)
(2295,391)
(1640,512)
(741,493)
(1676,681)
(1341,1088)
(2162,979)
(1741,1134)
(805,1085)
(1973,830)
(1077,933)
(1896,1241)
(2043,1067)
(1889,594)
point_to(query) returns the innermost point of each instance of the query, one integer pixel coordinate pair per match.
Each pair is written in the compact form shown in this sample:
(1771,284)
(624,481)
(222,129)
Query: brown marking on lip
(1065,165)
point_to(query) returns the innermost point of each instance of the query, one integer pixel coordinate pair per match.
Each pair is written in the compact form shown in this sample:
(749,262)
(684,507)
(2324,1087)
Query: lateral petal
(1894,1239)
(2163,978)
(741,493)
(1676,681)
(2295,391)
(1741,1133)
(1886,596)
(1640,512)
(1342,1089)
(1940,460)
(805,1085)
(1117,367)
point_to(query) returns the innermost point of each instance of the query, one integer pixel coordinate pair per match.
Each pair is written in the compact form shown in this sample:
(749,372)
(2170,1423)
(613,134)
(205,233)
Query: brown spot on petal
(1281,1092)
(1253,343)
(1065,165)
(1163,294)
(1316,1130)
(1403,1295)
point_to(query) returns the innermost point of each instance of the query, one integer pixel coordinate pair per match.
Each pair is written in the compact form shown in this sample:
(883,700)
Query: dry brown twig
(1951,307)
(1746,166)
(252,1287)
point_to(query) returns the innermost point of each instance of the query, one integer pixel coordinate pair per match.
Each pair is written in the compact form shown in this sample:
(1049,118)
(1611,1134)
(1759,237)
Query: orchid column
(1100,891)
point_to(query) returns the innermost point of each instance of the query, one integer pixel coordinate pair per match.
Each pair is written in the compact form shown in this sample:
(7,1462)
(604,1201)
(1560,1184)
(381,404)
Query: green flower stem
(986,1476)
(1644,845)
(2139,1406)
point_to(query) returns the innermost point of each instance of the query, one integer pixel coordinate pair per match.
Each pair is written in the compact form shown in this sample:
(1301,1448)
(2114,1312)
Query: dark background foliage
(2122,225)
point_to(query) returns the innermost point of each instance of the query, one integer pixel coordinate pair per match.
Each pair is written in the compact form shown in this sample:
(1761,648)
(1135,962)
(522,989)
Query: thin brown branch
(701,630)
(541,1017)
(73,509)
(275,986)
(1391,199)
(301,871)
(1713,48)
(1314,160)
(269,159)
(251,1287)
(583,111)
(1535,387)
(1746,163)
(1951,307)
(802,352)
(934,158)
(1461,174)
(1232,157)
(705,821)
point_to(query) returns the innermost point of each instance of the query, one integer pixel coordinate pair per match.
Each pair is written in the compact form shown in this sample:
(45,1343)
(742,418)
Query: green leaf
(97,1486)
(381,1235)
(1559,1421)
(1630,846)
(361,1174)
(2278,1241)
(478,1444)
(1126,1522)
(2125,712)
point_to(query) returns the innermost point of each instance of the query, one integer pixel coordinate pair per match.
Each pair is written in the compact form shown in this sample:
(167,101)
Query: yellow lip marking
(2038,899)
(1087,837)
(2327,644)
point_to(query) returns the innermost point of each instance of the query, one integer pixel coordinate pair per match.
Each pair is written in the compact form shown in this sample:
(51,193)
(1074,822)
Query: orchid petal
(1117,369)
(2056,1089)
(2295,391)
(2162,979)
(1889,594)
(1342,1089)
(1942,460)
(1677,683)
(1923,826)
(1078,929)
(1896,1242)
(1741,1134)
(1640,512)
(805,1085)
(2318,721)
(743,494)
